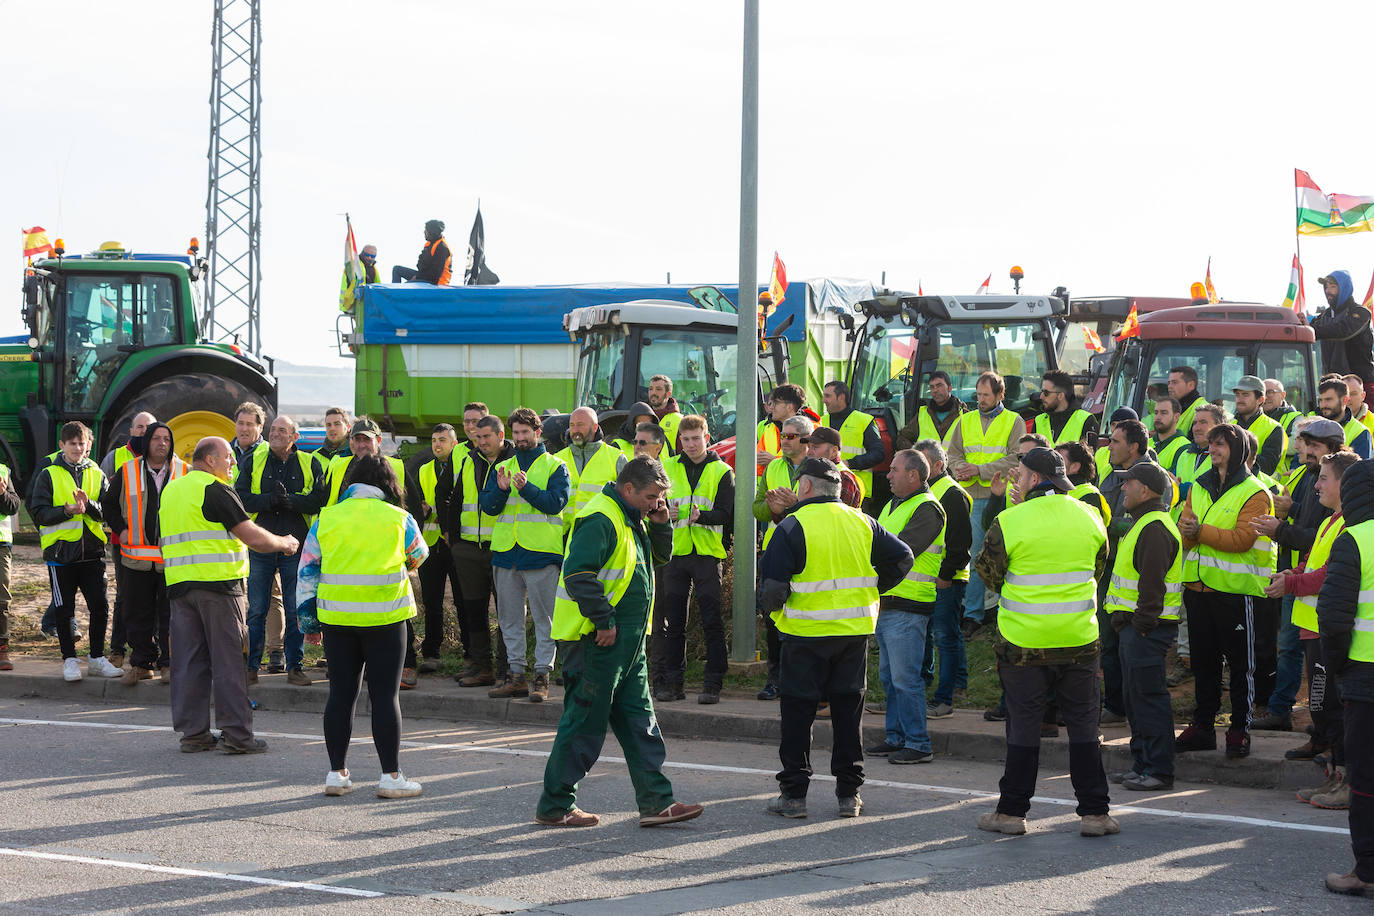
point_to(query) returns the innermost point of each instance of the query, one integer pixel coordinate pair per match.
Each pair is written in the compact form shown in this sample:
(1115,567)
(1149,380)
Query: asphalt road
(103,814)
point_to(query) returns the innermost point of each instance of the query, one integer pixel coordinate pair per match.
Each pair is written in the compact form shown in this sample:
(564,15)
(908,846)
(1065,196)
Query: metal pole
(746,385)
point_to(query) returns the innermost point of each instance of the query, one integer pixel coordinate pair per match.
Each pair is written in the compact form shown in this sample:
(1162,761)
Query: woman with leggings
(353,586)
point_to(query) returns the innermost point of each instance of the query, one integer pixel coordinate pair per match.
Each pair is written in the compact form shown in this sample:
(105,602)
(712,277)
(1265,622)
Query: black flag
(477,272)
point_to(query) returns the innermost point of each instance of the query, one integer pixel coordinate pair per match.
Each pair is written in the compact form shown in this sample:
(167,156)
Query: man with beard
(1344,331)
(936,416)
(665,407)
(592,462)
(1063,420)
(1332,400)
(1171,442)
(472,548)
(1273,441)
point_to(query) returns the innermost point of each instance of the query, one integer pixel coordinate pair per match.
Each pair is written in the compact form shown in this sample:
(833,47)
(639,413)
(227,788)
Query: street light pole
(746,383)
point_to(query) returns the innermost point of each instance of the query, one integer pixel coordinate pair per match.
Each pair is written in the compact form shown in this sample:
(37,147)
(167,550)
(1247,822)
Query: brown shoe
(997,822)
(672,814)
(134,675)
(539,687)
(409,679)
(822,710)
(5,663)
(1348,884)
(164,675)
(252,677)
(514,686)
(477,677)
(298,677)
(116,659)
(574,817)
(1098,825)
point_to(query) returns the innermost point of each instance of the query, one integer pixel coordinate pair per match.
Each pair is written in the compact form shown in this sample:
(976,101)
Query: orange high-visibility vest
(134,544)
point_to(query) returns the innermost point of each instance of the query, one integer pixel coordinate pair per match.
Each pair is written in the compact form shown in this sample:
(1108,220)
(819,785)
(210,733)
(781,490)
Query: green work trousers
(606,686)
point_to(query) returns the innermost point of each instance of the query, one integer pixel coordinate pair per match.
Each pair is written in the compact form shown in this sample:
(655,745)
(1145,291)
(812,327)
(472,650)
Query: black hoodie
(1338,602)
(113,502)
(627,429)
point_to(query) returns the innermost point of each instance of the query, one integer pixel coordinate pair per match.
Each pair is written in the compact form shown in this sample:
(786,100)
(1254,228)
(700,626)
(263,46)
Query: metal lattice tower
(233,206)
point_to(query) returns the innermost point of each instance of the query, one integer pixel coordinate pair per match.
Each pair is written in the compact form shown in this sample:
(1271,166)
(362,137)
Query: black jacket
(724,512)
(1304,518)
(1347,341)
(43,512)
(435,264)
(113,502)
(282,507)
(1338,602)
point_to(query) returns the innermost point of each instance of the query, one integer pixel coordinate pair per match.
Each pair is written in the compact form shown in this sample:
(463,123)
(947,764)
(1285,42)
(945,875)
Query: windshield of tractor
(703,367)
(600,368)
(1219,366)
(884,376)
(106,319)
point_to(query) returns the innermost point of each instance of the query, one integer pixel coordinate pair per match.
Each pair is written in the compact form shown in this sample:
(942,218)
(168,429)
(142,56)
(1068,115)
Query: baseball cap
(1150,474)
(1249,383)
(365,426)
(825,434)
(1322,428)
(1049,464)
(820,468)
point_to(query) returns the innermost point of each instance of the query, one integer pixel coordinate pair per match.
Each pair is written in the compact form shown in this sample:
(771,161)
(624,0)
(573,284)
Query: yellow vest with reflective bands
(1072,431)
(1099,502)
(428,478)
(704,540)
(836,594)
(121,455)
(615,576)
(599,470)
(938,488)
(669,422)
(195,549)
(64,493)
(305,459)
(926,427)
(1290,485)
(1234,573)
(1169,452)
(779,474)
(473,524)
(1264,426)
(338,469)
(919,584)
(1305,606)
(1362,639)
(984,448)
(520,523)
(1123,594)
(852,442)
(1353,428)
(363,579)
(1049,598)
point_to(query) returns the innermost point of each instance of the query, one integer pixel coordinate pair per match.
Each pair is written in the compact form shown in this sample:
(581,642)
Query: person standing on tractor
(1063,420)
(1344,331)
(861,445)
(435,264)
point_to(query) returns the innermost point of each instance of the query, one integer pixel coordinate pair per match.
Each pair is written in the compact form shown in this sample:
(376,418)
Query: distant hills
(308,390)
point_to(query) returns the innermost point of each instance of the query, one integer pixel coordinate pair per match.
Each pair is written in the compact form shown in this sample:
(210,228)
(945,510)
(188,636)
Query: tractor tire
(194,406)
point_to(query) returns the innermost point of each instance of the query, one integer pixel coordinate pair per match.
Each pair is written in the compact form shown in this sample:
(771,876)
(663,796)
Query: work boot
(787,807)
(478,676)
(679,690)
(1308,751)
(1273,722)
(539,687)
(429,665)
(252,676)
(1332,780)
(299,678)
(116,659)
(1098,825)
(514,686)
(997,822)
(1337,798)
(134,675)
(850,806)
(1196,738)
(1179,674)
(5,663)
(710,695)
(1348,884)
(666,691)
(998,713)
(1107,717)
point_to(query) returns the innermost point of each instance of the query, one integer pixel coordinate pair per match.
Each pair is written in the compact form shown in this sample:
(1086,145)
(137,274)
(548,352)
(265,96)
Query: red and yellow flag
(777,284)
(1092,341)
(36,242)
(1212,296)
(1369,299)
(1132,326)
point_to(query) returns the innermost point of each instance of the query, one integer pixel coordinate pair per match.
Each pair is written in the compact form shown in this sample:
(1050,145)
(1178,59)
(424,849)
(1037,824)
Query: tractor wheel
(193,406)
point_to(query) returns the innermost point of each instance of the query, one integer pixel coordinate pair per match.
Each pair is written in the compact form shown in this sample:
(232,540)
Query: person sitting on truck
(1344,331)
(435,264)
(783,401)
(1171,440)
(1063,420)
(1332,397)
(665,407)
(937,416)
(861,444)
(1273,441)
(592,462)
(650,441)
(1183,387)
(348,296)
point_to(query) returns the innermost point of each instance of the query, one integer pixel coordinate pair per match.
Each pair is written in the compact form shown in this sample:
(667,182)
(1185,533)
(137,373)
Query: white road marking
(745,771)
(189,872)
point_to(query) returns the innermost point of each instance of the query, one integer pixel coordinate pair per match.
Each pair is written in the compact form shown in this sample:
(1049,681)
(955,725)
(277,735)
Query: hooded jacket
(1344,331)
(1230,540)
(113,501)
(1338,600)
(627,429)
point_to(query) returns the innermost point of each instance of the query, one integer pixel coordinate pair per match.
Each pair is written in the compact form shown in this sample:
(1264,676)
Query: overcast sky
(1107,148)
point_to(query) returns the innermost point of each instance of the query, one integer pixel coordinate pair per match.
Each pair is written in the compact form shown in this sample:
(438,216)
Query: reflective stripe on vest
(943,484)
(363,580)
(1305,606)
(64,493)
(984,448)
(568,622)
(307,462)
(836,594)
(473,524)
(919,583)
(599,470)
(520,523)
(1290,485)
(133,498)
(194,549)
(1234,573)
(1362,639)
(705,540)
(852,442)
(1353,428)
(1049,598)
(1072,431)
(338,469)
(779,474)
(1123,594)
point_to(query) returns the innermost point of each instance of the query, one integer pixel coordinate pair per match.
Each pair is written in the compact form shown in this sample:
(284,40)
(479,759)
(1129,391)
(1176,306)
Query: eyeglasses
(644,442)
(795,436)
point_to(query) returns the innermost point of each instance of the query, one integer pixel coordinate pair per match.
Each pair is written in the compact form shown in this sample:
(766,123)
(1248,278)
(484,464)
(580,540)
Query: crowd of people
(1207,545)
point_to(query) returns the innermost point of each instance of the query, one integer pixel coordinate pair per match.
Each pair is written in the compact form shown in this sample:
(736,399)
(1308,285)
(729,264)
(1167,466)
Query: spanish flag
(777,284)
(1212,296)
(1092,341)
(1132,326)
(36,242)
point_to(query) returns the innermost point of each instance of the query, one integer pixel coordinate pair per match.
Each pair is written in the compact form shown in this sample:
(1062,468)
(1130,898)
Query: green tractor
(113,333)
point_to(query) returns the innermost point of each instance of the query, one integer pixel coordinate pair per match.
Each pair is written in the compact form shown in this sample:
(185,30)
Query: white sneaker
(101,667)
(337,784)
(71,671)
(400,787)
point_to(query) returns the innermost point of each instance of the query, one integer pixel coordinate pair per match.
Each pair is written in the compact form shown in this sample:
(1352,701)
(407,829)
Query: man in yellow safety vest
(861,445)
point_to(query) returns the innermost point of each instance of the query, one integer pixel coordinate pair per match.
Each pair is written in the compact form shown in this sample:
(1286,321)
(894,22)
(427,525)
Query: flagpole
(1297,238)
(742,648)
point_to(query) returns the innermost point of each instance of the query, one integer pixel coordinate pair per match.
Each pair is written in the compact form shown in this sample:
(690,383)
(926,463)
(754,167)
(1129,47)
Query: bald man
(592,461)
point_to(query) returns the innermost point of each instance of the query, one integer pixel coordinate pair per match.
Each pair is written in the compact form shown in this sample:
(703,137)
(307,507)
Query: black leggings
(378,653)
(87,577)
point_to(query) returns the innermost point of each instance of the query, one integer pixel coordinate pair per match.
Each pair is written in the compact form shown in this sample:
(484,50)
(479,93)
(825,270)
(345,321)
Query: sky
(1107,148)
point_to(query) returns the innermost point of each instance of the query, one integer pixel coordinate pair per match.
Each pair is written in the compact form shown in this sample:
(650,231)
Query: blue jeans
(944,634)
(262,569)
(1289,676)
(901,650)
(976,592)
